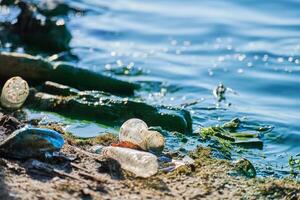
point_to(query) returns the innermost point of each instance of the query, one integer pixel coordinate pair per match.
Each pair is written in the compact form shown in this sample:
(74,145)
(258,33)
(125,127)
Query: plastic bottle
(136,131)
(14,93)
(142,164)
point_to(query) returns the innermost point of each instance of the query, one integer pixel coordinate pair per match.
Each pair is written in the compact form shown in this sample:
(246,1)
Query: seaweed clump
(236,132)
(294,163)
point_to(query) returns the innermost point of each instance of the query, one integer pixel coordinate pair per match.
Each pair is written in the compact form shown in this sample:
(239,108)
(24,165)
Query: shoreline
(86,178)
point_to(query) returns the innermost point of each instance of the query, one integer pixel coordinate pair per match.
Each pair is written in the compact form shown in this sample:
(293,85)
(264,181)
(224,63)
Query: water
(186,48)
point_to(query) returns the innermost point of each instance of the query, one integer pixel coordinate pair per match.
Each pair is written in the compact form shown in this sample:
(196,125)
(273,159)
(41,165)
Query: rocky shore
(88,176)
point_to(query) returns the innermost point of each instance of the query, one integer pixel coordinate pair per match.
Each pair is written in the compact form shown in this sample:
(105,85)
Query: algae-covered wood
(37,69)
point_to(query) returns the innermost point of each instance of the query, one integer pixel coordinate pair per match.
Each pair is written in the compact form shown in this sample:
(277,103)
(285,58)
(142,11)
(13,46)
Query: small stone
(14,93)
(245,168)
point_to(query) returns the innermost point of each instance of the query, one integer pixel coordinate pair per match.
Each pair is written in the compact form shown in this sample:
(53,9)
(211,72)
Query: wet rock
(7,2)
(35,29)
(245,168)
(52,8)
(38,70)
(14,93)
(250,143)
(232,124)
(58,89)
(30,142)
(112,110)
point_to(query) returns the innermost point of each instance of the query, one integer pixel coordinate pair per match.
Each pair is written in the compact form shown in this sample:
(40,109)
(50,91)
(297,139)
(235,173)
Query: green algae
(245,167)
(294,163)
(229,132)
(201,152)
(108,109)
(232,124)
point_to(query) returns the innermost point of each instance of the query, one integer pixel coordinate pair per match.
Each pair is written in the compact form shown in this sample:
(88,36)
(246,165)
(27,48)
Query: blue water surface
(189,47)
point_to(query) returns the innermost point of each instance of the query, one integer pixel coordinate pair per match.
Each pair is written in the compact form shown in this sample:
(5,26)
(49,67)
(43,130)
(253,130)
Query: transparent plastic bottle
(142,164)
(136,131)
(14,93)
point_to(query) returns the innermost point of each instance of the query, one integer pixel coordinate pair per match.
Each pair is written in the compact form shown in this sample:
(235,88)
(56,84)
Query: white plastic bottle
(136,131)
(142,164)
(14,93)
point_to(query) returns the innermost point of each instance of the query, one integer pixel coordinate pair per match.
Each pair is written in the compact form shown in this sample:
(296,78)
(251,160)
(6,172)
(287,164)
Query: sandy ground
(89,177)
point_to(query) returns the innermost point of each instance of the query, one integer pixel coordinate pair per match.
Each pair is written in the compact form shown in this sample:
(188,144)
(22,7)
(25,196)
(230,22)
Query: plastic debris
(185,161)
(14,93)
(219,92)
(142,164)
(30,142)
(174,163)
(136,132)
(126,144)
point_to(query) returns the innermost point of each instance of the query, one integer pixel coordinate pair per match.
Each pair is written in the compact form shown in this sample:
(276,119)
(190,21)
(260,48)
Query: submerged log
(109,109)
(37,69)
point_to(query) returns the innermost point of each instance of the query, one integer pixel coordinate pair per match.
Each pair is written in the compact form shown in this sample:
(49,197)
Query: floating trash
(30,142)
(14,93)
(136,132)
(219,92)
